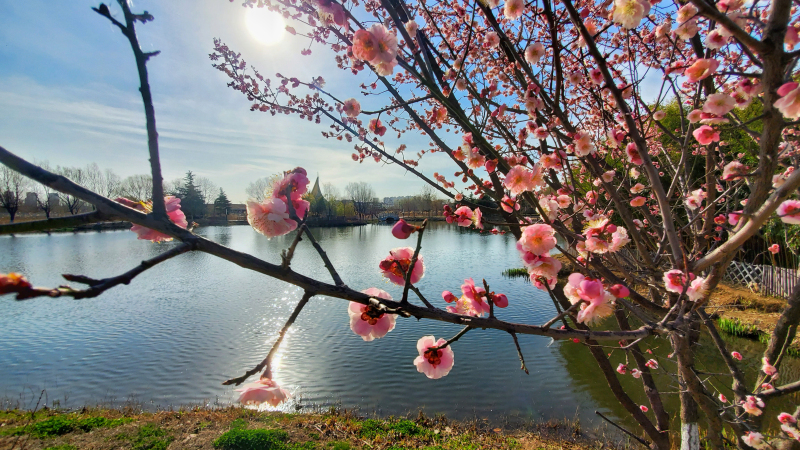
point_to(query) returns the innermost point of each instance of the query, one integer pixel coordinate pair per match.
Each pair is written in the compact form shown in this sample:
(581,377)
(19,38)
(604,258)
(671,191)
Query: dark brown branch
(455,338)
(410,270)
(265,364)
(638,439)
(55,223)
(97,287)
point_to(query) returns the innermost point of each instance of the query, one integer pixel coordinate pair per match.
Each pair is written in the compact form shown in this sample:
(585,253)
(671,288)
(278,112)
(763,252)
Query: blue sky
(69,95)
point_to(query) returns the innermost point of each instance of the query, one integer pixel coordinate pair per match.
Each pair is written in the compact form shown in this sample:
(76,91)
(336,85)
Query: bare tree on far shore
(362,195)
(12,186)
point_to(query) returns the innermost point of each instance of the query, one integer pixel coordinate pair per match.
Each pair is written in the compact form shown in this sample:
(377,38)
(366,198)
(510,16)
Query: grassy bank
(243,429)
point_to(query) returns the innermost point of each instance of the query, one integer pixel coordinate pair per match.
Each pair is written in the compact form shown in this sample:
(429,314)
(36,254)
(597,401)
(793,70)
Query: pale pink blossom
(608,176)
(384,69)
(715,40)
(368,321)
(538,239)
(629,13)
(541,268)
(262,391)
(636,373)
(412,27)
(463,216)
(492,40)
(752,405)
(695,199)
(774,249)
(509,204)
(701,69)
(719,104)
(694,116)
(786,418)
(386,44)
(173,206)
(395,266)
(365,45)
(637,188)
(352,107)
(788,211)
(753,439)
(519,180)
(734,170)
(686,12)
(675,280)
(598,302)
(270,217)
(534,52)
(402,230)
(622,369)
(434,362)
(792,431)
(659,115)
(632,151)
(706,135)
(583,144)
(768,368)
(604,237)
(513,9)
(638,201)
(789,103)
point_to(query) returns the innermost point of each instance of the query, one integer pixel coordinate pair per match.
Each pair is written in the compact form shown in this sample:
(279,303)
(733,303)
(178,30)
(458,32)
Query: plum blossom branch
(410,270)
(519,353)
(265,363)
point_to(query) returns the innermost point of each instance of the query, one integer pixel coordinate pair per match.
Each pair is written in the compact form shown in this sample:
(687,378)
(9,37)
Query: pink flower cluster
(597,302)
(603,236)
(464,217)
(435,359)
(534,246)
(474,300)
(174,212)
(271,217)
(675,281)
(378,47)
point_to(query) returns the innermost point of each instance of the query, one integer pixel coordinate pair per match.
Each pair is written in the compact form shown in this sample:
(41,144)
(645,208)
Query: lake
(178,331)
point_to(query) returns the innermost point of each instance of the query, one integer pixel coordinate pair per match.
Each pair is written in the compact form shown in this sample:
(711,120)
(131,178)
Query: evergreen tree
(192,203)
(222,204)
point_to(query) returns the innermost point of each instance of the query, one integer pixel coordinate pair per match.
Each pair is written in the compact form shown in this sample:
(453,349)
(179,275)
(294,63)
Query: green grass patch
(737,328)
(60,425)
(151,437)
(62,447)
(253,440)
(238,424)
(516,273)
(338,445)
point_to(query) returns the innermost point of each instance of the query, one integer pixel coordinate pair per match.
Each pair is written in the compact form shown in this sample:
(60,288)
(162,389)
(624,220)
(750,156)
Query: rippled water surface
(176,332)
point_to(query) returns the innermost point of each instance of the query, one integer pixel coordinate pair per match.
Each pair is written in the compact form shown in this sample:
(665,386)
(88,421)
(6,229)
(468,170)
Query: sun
(266,26)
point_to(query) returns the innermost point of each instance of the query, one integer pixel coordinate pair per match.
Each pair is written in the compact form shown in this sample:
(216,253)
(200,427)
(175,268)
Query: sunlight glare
(266,26)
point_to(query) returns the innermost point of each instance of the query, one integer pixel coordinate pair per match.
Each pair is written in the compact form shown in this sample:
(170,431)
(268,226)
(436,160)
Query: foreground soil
(243,429)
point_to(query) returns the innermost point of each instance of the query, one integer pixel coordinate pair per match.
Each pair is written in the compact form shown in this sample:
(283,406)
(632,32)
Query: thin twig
(455,338)
(562,314)
(640,440)
(407,285)
(519,352)
(265,364)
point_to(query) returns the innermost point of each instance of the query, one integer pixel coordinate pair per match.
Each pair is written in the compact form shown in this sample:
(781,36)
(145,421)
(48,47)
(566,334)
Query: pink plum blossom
(774,249)
(789,103)
(519,180)
(604,237)
(514,9)
(790,430)
(395,266)
(752,405)
(753,439)
(270,217)
(638,201)
(434,362)
(695,199)
(365,45)
(476,296)
(652,363)
(722,398)
(694,116)
(644,408)
(386,49)
(463,216)
(629,13)
(537,239)
(622,369)
(368,321)
(706,135)
(737,356)
(351,107)
(619,291)
(788,211)
(499,300)
(675,280)
(636,373)
(173,206)
(786,418)
(719,104)
(402,230)
(701,69)
(632,152)
(262,391)
(733,171)
(534,52)
(492,40)
(449,297)
(541,267)
(598,302)
(768,368)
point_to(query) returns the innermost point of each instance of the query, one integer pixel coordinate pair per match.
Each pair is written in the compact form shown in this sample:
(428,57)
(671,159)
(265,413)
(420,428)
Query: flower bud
(402,230)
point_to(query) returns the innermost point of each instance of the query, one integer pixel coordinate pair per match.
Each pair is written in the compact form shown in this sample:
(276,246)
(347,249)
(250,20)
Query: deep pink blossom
(788,211)
(262,391)
(622,369)
(774,249)
(632,152)
(706,135)
(395,266)
(701,69)
(675,280)
(173,205)
(598,302)
(368,321)
(449,297)
(432,361)
(402,230)
(463,216)
(538,239)
(786,418)
(365,45)
(789,103)
(737,356)
(619,291)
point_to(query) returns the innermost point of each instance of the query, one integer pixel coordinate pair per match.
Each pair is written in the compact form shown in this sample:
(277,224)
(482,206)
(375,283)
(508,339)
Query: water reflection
(174,334)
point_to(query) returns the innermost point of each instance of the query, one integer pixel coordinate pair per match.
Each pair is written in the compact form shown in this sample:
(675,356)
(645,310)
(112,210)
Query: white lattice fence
(769,280)
(745,274)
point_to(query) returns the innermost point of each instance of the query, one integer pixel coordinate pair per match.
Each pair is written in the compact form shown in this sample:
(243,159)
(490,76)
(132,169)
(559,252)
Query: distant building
(30,200)
(390,202)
